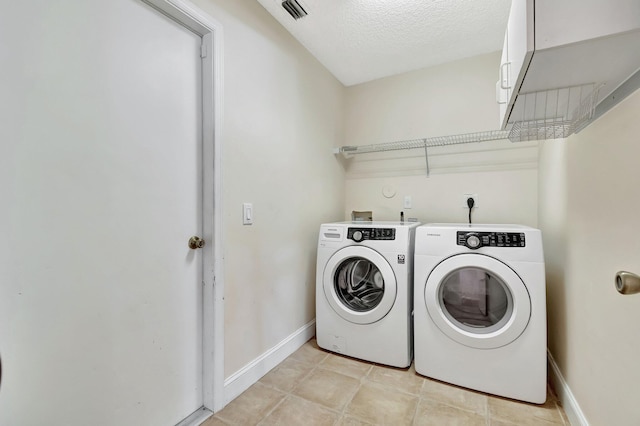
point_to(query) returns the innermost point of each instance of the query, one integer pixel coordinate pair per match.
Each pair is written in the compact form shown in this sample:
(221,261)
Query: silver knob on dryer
(357,236)
(472,241)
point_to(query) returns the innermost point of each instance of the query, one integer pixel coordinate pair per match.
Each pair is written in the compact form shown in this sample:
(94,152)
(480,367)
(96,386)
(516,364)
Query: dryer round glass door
(359,284)
(477,301)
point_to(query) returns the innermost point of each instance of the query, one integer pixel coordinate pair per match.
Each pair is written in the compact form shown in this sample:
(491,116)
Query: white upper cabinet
(560,57)
(520,36)
(503,91)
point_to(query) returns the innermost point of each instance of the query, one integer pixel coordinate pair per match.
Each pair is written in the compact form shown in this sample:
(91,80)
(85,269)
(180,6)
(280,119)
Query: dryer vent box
(363,216)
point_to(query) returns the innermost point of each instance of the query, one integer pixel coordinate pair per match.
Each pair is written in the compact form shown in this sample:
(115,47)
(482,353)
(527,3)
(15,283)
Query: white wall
(589,204)
(283,112)
(450,99)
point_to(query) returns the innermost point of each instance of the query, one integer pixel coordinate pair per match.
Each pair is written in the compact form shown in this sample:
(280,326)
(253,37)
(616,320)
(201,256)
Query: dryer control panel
(361,234)
(475,240)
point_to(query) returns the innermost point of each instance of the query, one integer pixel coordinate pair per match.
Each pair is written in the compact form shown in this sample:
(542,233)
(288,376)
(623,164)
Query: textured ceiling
(362,40)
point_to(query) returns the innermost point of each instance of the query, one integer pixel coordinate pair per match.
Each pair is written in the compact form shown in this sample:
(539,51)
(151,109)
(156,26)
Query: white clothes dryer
(480,308)
(364,290)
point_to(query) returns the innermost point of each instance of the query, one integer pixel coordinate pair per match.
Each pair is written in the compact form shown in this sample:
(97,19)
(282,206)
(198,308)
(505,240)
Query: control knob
(472,241)
(357,236)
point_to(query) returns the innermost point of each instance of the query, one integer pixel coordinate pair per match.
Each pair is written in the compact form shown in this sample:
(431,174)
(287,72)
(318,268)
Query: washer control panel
(361,234)
(475,240)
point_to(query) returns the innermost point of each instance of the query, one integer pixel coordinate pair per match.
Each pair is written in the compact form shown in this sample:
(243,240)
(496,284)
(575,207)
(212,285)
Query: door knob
(196,243)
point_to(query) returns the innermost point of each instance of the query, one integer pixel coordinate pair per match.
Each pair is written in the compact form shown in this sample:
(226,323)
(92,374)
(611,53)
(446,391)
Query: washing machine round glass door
(477,301)
(359,284)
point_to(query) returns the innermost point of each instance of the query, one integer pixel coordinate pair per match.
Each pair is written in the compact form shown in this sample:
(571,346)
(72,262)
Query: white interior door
(100,185)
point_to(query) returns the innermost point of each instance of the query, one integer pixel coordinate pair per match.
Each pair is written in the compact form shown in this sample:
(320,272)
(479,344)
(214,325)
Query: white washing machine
(480,308)
(364,290)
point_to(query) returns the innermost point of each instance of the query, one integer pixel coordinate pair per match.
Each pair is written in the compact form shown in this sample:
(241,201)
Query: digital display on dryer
(360,234)
(494,239)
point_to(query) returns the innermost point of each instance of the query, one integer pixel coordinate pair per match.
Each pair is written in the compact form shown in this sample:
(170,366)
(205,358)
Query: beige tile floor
(316,387)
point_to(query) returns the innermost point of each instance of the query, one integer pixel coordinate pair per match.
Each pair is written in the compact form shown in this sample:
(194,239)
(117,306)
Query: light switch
(247,213)
(407,202)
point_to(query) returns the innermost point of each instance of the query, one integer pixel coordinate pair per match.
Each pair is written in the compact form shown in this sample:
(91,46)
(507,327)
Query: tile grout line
(318,366)
(424,397)
(343,412)
(288,393)
(272,410)
(305,377)
(417,396)
(415,412)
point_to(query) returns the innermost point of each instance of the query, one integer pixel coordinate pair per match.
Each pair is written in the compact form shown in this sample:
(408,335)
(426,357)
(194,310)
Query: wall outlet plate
(475,200)
(408,202)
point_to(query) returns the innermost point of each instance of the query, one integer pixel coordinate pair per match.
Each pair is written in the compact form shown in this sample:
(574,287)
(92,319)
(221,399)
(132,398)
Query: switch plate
(247,213)
(407,202)
(475,200)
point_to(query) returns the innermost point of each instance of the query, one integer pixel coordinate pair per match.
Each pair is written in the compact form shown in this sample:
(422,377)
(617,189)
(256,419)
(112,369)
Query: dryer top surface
(486,227)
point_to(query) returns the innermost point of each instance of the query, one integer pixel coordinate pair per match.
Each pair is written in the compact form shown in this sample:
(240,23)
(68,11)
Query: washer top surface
(376,224)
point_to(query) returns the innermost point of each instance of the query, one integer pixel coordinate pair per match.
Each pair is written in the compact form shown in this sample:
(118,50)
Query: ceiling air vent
(294,9)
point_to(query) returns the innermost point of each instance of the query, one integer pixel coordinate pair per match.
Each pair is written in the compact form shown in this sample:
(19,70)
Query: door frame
(199,22)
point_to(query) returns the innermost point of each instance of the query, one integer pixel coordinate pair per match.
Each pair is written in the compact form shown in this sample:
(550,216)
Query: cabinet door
(520,46)
(502,85)
(517,52)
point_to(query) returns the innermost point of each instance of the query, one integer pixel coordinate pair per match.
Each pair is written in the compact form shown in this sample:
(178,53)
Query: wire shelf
(553,114)
(426,142)
(549,114)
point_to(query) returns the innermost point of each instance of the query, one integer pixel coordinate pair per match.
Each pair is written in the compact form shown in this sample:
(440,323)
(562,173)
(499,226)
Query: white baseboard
(197,417)
(242,379)
(569,403)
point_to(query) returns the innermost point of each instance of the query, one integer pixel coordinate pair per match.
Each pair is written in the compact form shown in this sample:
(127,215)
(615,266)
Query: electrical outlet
(475,200)
(407,202)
